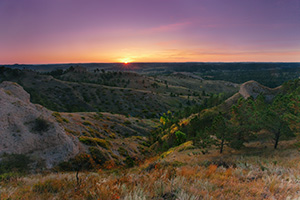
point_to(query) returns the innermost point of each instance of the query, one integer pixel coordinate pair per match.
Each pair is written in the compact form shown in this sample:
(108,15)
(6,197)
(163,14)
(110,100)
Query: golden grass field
(256,172)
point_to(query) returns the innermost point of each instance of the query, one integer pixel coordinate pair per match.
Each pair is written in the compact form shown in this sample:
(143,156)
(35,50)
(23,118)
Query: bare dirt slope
(253,88)
(27,128)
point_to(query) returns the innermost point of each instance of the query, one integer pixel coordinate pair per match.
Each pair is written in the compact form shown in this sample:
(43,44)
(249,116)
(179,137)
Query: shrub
(65,120)
(8,92)
(8,176)
(59,118)
(98,116)
(87,123)
(123,151)
(127,122)
(76,133)
(80,162)
(40,125)
(56,114)
(94,141)
(180,137)
(129,162)
(14,163)
(103,143)
(98,156)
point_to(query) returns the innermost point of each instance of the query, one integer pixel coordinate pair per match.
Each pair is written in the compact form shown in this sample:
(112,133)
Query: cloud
(186,55)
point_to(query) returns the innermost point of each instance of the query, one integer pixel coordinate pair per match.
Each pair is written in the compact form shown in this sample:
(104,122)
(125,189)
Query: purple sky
(60,31)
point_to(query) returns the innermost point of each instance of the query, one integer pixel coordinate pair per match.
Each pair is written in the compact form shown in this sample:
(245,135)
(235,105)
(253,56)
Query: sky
(70,31)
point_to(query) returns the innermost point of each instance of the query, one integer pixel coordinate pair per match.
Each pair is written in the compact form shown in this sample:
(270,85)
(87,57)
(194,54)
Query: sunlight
(126,61)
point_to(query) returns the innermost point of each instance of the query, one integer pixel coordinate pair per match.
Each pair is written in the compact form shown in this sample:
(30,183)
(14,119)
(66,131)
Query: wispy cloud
(228,55)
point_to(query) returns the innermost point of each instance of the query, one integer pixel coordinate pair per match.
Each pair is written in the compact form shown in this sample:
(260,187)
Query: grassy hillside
(207,149)
(268,74)
(253,173)
(109,138)
(114,92)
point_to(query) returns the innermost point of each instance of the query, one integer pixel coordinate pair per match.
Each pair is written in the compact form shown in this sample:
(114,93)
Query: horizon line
(68,63)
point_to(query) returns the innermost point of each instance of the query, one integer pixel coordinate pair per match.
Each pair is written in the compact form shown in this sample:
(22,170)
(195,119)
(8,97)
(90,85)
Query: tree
(245,121)
(220,129)
(275,119)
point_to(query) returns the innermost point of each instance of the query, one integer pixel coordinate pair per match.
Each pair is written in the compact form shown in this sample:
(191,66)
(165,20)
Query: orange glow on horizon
(126,61)
(173,55)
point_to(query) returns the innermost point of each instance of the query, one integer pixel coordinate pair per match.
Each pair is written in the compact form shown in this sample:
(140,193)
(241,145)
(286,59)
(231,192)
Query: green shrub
(87,123)
(98,116)
(94,141)
(56,114)
(65,120)
(59,118)
(94,132)
(98,156)
(80,162)
(129,162)
(180,137)
(76,133)
(9,175)
(14,163)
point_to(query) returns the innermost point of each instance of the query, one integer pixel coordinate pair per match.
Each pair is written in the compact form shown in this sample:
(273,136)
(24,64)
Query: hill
(30,129)
(266,73)
(115,92)
(49,138)
(246,147)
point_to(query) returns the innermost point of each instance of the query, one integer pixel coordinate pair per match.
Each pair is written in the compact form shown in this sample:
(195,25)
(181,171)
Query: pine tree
(275,119)
(220,129)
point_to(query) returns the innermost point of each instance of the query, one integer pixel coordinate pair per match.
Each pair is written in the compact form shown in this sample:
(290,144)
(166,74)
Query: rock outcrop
(253,88)
(30,129)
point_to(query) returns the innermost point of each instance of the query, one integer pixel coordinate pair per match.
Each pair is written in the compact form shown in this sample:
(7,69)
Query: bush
(97,155)
(129,162)
(8,176)
(14,163)
(180,137)
(87,123)
(94,141)
(40,125)
(122,151)
(59,118)
(127,122)
(80,162)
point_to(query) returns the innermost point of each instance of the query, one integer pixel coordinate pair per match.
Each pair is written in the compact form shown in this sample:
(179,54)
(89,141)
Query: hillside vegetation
(115,92)
(199,143)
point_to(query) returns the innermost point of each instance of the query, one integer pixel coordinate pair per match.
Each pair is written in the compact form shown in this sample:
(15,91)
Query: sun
(126,61)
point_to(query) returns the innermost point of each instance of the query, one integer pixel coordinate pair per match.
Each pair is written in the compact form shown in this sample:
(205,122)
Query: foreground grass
(267,175)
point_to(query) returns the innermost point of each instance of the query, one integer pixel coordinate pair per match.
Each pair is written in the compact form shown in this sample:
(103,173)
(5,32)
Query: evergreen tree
(275,119)
(245,121)
(220,129)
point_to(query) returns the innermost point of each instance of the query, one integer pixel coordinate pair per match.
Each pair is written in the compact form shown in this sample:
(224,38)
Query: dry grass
(269,175)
